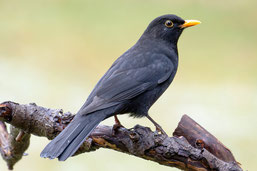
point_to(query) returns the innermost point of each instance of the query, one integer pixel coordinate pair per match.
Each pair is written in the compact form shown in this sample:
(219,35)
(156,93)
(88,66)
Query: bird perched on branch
(131,85)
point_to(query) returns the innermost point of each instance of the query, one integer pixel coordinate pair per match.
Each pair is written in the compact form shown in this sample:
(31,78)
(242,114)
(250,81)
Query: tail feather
(70,139)
(75,144)
(57,145)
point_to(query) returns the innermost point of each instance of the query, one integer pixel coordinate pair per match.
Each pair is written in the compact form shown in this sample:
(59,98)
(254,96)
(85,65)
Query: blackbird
(131,85)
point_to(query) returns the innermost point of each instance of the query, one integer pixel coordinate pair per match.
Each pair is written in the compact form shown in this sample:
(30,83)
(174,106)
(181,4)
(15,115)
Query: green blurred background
(52,52)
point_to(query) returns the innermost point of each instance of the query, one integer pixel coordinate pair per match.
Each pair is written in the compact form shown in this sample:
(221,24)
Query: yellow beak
(189,23)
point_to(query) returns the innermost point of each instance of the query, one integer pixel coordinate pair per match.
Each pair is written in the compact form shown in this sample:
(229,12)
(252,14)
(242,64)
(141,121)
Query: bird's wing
(124,84)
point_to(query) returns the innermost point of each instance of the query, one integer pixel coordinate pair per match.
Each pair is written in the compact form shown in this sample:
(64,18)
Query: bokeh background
(52,52)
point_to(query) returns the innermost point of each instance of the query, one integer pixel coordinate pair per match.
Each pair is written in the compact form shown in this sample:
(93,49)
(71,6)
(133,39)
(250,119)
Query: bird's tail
(71,138)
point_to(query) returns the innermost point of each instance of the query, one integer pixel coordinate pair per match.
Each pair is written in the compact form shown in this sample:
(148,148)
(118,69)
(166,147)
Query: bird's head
(168,28)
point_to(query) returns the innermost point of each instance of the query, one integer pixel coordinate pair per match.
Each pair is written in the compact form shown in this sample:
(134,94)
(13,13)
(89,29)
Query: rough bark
(185,150)
(201,138)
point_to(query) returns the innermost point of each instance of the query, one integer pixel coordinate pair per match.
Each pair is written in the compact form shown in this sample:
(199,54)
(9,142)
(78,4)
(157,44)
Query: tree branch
(181,151)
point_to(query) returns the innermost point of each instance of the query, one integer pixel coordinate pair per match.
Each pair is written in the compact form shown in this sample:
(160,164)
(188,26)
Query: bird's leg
(117,122)
(158,127)
(117,125)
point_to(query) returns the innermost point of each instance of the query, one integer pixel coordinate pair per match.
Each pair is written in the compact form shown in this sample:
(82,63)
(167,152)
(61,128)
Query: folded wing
(126,83)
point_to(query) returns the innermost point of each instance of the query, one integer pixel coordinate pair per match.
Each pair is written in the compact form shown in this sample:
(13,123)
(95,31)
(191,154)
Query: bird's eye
(168,23)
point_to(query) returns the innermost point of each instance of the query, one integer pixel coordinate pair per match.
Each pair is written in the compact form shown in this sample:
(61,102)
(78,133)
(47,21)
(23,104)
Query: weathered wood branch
(187,150)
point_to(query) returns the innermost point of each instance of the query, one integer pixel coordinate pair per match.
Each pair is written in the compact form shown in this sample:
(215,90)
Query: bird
(131,85)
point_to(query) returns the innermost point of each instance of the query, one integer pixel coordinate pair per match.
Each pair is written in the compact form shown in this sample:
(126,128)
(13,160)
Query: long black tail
(70,139)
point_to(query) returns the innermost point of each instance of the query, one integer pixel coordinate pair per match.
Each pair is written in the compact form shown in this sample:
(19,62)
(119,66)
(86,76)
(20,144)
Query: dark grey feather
(126,84)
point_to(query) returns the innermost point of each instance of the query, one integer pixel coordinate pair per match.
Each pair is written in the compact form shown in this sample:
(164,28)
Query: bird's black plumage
(131,85)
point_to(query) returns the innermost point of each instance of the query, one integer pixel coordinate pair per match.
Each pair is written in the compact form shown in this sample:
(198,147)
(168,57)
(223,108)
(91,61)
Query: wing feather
(126,83)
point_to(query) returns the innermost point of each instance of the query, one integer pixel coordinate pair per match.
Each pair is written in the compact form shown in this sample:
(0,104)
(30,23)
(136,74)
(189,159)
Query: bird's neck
(172,43)
(168,47)
(159,46)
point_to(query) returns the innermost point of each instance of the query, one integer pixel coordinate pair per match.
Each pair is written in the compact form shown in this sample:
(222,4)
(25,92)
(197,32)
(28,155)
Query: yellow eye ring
(169,23)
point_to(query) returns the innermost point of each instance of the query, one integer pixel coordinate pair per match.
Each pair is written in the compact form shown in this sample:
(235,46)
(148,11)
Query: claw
(157,126)
(159,129)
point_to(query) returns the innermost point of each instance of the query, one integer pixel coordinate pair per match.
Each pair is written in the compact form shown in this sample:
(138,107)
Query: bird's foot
(159,129)
(116,126)
(157,126)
